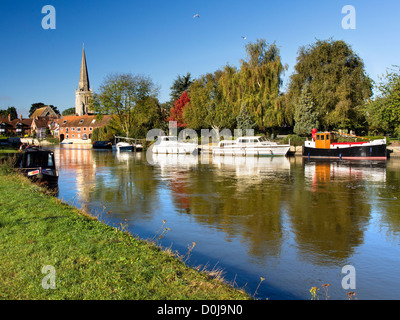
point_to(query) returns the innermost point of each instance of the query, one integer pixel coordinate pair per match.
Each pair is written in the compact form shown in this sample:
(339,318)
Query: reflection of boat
(246,166)
(39,165)
(124,146)
(251,146)
(102,145)
(325,145)
(174,160)
(171,145)
(325,171)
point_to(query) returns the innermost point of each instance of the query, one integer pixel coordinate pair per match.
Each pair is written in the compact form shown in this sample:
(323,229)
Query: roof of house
(13,123)
(43,112)
(84,121)
(42,122)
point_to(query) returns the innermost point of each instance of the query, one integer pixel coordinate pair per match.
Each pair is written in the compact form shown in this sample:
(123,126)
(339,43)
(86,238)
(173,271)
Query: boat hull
(175,149)
(127,148)
(359,152)
(252,151)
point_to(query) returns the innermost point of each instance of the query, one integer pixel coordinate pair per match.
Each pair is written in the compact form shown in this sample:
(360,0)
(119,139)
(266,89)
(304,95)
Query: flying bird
(244,38)
(196,16)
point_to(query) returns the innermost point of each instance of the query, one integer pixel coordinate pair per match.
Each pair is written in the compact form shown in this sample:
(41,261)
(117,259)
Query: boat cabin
(39,165)
(323,140)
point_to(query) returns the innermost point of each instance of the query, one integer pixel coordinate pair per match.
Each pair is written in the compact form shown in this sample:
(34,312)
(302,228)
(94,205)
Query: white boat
(250,146)
(171,145)
(124,146)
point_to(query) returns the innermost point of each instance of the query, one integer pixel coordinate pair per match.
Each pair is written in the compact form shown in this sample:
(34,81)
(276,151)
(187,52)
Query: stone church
(78,128)
(84,93)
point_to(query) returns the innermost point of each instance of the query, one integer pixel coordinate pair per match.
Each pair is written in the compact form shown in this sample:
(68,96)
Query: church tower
(84,93)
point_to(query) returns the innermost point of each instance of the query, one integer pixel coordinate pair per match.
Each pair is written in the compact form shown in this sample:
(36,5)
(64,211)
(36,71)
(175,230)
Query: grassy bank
(91,260)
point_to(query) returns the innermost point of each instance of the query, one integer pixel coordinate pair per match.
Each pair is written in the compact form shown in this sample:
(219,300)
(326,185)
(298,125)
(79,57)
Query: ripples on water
(292,221)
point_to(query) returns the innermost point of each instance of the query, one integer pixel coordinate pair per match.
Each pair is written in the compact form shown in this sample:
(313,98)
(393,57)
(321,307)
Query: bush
(295,140)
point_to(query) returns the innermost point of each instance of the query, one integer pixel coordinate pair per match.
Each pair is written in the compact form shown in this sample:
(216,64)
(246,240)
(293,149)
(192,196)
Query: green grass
(8,149)
(91,260)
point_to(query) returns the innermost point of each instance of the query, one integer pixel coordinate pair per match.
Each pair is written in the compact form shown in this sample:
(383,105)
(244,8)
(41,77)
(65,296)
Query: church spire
(84,77)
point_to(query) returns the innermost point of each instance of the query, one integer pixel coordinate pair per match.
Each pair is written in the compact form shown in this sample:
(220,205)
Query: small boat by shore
(250,146)
(124,146)
(325,145)
(38,165)
(102,145)
(171,145)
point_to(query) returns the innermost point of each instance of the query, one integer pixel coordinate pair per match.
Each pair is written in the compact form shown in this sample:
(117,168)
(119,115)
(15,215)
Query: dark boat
(102,145)
(38,165)
(325,145)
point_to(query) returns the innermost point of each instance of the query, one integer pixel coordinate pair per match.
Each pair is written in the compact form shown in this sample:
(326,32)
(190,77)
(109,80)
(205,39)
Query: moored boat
(171,145)
(325,145)
(251,146)
(124,146)
(38,165)
(102,145)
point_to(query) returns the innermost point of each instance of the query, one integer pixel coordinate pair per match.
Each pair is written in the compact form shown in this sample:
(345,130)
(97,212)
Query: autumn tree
(176,112)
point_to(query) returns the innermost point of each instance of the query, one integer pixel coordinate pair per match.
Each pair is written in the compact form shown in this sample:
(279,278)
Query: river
(293,222)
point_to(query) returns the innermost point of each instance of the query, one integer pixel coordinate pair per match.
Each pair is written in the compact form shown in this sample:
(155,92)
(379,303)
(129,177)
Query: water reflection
(255,213)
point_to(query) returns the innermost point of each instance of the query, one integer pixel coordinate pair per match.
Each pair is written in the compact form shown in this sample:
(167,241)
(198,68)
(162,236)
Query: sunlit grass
(91,260)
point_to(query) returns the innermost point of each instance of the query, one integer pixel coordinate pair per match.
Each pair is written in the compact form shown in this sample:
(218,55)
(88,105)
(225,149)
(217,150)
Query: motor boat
(171,145)
(250,146)
(325,145)
(124,146)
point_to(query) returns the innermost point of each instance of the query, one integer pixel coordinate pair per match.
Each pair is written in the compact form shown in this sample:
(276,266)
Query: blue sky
(161,39)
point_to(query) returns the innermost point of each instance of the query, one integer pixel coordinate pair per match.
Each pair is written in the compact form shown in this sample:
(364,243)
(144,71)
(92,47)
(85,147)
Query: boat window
(50,160)
(322,137)
(254,140)
(318,137)
(244,141)
(327,137)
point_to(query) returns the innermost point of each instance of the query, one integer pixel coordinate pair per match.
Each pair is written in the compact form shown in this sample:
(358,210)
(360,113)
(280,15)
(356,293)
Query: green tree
(9,111)
(120,94)
(260,79)
(383,113)
(338,82)
(207,107)
(305,116)
(244,119)
(180,85)
(69,111)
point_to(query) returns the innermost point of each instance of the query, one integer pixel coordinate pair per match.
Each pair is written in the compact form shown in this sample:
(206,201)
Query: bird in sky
(196,15)
(244,38)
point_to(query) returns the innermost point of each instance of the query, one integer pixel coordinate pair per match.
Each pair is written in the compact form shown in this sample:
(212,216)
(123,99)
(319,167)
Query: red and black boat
(325,145)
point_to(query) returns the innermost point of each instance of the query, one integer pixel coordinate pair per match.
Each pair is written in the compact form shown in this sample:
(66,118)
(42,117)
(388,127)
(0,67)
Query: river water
(293,222)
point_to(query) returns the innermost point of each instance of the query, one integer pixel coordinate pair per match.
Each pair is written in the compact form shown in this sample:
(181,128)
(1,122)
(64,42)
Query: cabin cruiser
(250,146)
(170,145)
(326,145)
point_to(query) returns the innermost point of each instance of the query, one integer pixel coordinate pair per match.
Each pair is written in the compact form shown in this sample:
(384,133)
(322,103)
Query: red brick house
(80,127)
